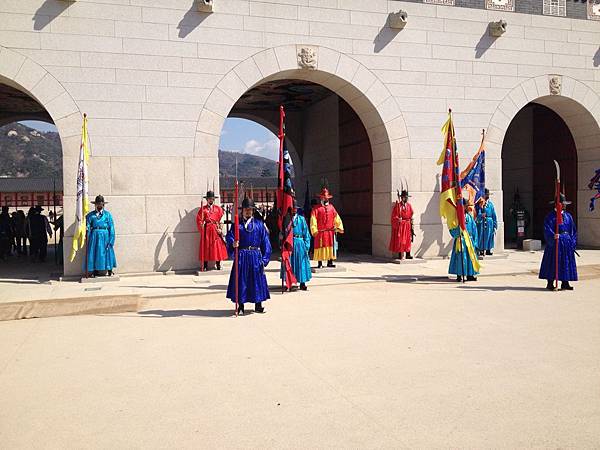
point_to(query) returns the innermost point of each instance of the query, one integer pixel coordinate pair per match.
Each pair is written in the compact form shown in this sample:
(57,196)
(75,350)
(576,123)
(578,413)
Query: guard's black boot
(240,309)
(320,265)
(205,266)
(488,252)
(550,285)
(303,287)
(458,278)
(218,264)
(400,256)
(471,278)
(565,286)
(110,273)
(408,255)
(330,263)
(258,307)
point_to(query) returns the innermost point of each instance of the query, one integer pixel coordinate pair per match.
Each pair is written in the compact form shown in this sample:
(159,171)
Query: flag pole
(54,209)
(280,189)
(458,195)
(236,237)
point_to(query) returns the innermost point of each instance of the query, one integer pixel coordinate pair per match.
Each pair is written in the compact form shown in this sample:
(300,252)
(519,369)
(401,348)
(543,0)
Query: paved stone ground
(376,362)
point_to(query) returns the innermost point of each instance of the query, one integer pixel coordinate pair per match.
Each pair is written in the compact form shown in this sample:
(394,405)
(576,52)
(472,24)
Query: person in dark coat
(254,252)
(39,229)
(6,233)
(566,239)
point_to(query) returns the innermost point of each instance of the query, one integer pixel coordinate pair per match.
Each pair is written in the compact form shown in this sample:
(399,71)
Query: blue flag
(473,177)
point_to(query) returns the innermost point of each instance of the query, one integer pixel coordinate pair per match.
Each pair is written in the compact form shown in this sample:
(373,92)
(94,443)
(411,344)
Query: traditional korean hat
(486,191)
(99,199)
(405,193)
(248,203)
(563,200)
(39,208)
(324,194)
(210,194)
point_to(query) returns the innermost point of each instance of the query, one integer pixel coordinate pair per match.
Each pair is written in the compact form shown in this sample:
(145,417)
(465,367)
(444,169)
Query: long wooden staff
(558,208)
(236,233)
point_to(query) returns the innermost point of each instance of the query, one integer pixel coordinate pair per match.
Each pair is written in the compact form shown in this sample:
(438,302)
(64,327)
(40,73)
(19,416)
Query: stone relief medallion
(500,5)
(440,2)
(307,57)
(593,9)
(555,84)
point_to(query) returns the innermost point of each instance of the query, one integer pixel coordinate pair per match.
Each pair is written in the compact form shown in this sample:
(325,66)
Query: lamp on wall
(205,6)
(397,20)
(498,28)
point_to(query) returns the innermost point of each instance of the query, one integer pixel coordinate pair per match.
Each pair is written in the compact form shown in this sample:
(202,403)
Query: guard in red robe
(325,222)
(402,223)
(212,245)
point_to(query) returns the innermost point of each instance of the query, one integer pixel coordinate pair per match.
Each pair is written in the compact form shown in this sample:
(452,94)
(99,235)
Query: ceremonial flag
(285,201)
(472,179)
(83,204)
(451,205)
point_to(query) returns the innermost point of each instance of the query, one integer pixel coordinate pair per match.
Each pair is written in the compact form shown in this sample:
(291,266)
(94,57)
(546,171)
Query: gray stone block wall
(576,9)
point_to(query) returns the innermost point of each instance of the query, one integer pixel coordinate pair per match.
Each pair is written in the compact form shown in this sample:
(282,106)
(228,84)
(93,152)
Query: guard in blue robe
(567,243)
(456,267)
(101,240)
(487,223)
(254,252)
(300,259)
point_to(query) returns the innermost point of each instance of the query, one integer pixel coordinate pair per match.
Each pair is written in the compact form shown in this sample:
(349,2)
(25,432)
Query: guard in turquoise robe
(101,240)
(456,267)
(300,259)
(487,223)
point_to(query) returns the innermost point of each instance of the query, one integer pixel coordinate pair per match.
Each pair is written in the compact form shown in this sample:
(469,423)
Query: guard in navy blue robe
(254,253)
(567,243)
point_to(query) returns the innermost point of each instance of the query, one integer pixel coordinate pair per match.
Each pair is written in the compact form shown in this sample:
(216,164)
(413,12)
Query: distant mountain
(249,166)
(28,153)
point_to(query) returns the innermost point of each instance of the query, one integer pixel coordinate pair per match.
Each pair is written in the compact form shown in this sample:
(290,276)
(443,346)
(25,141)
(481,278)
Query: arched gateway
(577,111)
(365,94)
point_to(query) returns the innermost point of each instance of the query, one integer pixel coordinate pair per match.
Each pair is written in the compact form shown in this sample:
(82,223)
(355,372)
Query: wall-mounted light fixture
(205,6)
(497,29)
(398,19)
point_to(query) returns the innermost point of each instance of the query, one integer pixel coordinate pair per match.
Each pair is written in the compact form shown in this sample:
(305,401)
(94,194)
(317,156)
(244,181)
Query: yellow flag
(83,203)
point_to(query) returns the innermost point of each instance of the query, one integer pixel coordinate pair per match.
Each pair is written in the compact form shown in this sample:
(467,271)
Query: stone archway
(352,81)
(579,107)
(25,75)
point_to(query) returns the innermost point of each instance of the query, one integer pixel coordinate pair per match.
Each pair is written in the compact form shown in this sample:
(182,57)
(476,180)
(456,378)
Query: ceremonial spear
(558,208)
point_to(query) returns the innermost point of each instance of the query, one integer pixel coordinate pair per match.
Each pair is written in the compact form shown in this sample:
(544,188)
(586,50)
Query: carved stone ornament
(307,58)
(593,9)
(555,84)
(500,5)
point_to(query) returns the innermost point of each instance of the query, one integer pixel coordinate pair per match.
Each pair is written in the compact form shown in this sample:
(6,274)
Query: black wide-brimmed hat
(99,199)
(248,203)
(405,193)
(210,194)
(563,200)
(39,208)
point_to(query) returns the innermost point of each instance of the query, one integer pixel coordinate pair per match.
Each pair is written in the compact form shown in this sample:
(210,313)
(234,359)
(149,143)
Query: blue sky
(238,135)
(245,136)
(40,126)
